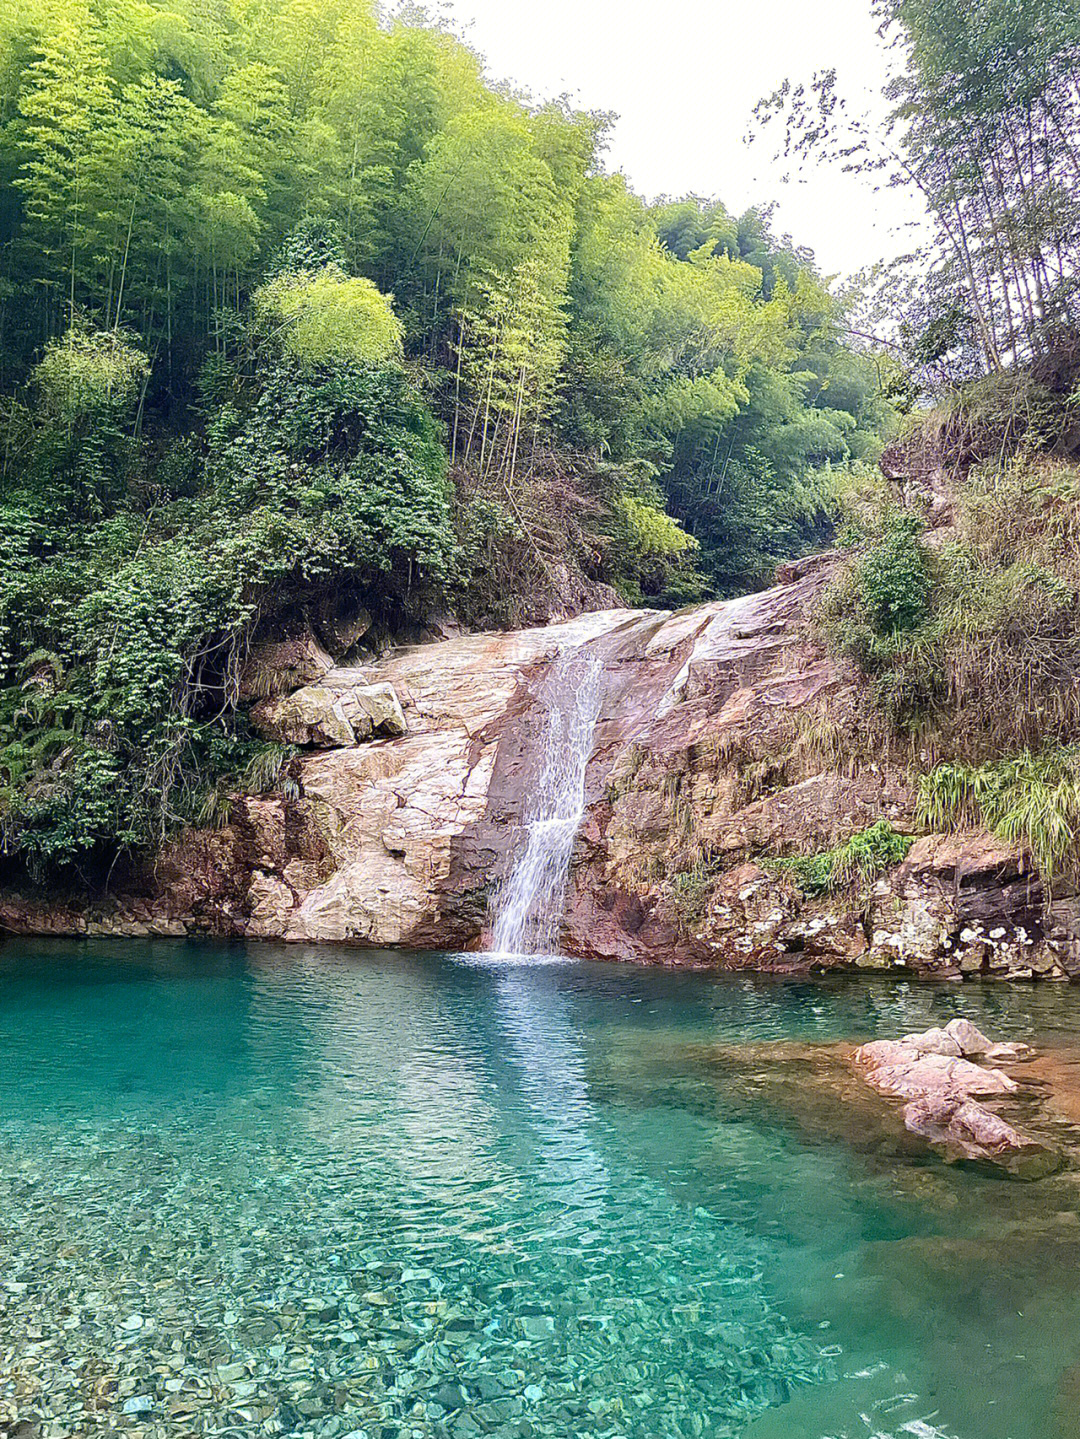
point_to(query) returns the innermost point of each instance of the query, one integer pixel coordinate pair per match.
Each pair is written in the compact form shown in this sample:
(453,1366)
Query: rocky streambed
(726,744)
(262,1190)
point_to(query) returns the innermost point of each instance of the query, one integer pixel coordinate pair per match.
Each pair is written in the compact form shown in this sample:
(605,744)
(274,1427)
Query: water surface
(257,1190)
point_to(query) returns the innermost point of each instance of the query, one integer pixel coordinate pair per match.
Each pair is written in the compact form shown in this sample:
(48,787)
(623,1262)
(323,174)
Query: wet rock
(929,1071)
(449,1396)
(934,1041)
(897,1067)
(971,1040)
(967,1130)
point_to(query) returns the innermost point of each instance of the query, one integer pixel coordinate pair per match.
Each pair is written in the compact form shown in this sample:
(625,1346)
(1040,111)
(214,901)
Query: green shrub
(859,859)
(972,648)
(84,374)
(894,578)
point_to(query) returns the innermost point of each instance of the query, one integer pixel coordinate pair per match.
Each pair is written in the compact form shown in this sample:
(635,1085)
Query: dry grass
(992,419)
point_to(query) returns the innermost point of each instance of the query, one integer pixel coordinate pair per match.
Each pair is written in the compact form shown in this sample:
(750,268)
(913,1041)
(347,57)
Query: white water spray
(528,904)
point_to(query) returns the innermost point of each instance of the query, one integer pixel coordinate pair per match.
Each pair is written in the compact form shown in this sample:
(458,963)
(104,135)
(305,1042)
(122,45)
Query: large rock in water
(937,1074)
(963,1129)
(725,740)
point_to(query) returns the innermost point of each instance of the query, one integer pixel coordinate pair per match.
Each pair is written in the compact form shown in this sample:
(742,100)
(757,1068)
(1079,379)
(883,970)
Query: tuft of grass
(625,772)
(990,419)
(264,769)
(689,895)
(859,859)
(1031,800)
(214,810)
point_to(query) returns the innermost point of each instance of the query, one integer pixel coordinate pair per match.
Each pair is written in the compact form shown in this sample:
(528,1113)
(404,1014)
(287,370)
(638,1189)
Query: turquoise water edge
(259,1190)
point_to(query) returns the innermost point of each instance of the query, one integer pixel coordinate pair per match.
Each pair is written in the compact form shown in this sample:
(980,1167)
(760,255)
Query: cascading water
(528,904)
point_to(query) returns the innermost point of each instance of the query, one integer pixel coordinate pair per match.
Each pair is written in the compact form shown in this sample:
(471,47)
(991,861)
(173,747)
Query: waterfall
(528,904)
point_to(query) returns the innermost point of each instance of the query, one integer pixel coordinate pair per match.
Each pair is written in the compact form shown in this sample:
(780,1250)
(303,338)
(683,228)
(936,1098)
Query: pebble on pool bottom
(148,1292)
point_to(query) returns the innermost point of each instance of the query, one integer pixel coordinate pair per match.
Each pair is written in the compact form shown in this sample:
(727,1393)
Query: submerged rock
(931,1072)
(966,1130)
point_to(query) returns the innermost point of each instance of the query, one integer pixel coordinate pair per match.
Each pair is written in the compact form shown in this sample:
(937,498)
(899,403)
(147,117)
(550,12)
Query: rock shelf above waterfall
(344,710)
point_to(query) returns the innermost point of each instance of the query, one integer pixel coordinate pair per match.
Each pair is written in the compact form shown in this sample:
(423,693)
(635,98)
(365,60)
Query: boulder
(342,622)
(964,1129)
(929,1070)
(896,1068)
(311,716)
(969,1039)
(374,709)
(934,1041)
(332,717)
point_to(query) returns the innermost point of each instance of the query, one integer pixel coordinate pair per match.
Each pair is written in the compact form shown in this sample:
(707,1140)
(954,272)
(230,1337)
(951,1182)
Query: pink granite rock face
(401,809)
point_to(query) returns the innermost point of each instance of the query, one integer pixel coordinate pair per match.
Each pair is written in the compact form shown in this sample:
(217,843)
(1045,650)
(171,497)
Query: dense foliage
(960,603)
(294,300)
(154,158)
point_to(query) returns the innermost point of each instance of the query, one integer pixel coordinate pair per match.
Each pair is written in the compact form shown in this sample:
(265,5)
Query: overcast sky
(683,76)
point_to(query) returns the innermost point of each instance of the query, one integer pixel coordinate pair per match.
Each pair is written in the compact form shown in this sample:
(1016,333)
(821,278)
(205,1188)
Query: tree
(65,121)
(983,127)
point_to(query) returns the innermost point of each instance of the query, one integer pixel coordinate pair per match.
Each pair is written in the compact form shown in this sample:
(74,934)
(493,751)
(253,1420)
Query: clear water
(528,905)
(305,1191)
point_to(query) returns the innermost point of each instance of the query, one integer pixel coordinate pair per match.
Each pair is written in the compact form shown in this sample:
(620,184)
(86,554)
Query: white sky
(683,77)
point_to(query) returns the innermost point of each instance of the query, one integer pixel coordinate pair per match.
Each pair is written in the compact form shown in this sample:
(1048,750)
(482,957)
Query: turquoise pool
(261,1190)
